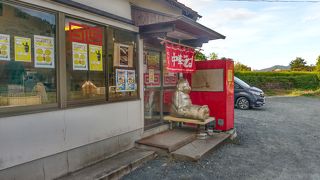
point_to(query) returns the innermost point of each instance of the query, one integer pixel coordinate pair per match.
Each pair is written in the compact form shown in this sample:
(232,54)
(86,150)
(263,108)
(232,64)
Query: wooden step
(168,140)
(198,148)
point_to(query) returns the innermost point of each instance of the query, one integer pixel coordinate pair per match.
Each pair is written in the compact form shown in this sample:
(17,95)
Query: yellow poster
(5,47)
(22,49)
(79,56)
(43,52)
(151,75)
(95,58)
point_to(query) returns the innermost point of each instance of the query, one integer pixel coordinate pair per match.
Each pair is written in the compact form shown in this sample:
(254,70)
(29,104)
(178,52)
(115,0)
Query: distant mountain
(274,68)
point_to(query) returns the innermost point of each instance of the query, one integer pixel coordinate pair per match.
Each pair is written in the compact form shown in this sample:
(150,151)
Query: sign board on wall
(85,34)
(207,80)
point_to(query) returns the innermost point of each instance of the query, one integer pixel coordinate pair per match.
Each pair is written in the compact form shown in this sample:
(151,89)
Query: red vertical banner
(180,58)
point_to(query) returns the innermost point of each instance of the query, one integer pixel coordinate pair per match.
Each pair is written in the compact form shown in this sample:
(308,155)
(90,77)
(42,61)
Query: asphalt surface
(278,141)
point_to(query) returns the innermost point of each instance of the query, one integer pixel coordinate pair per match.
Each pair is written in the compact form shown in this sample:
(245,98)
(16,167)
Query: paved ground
(278,141)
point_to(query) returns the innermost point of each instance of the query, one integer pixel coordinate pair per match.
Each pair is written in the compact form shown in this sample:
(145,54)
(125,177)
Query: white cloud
(197,5)
(312,15)
(261,34)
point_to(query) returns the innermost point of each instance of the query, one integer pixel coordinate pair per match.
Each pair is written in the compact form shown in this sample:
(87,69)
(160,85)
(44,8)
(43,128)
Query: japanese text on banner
(179,58)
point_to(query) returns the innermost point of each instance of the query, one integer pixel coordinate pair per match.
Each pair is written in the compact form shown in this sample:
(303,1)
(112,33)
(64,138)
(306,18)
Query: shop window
(85,61)
(122,64)
(27,56)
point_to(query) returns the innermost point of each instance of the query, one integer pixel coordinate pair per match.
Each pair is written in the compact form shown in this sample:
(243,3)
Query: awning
(189,32)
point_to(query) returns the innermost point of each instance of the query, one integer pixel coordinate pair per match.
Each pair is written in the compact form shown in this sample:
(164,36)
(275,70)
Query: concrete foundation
(66,162)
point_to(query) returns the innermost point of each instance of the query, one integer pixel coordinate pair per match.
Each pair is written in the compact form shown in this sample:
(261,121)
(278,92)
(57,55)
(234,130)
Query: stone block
(28,171)
(127,140)
(104,148)
(78,158)
(55,166)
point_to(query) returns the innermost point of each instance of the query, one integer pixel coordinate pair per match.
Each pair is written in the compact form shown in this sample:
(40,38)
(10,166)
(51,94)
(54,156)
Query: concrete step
(167,141)
(198,148)
(114,167)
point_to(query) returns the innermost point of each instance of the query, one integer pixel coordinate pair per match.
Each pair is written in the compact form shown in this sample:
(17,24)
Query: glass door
(152,88)
(159,86)
(169,82)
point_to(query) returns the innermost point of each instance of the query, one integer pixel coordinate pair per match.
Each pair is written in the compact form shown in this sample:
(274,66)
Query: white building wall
(158,5)
(30,137)
(119,7)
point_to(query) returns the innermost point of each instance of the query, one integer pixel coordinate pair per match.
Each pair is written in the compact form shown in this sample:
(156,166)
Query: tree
(213,56)
(200,56)
(241,67)
(317,68)
(310,68)
(298,64)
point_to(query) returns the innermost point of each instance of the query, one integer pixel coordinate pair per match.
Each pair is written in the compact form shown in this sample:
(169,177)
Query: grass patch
(284,83)
(294,92)
(308,93)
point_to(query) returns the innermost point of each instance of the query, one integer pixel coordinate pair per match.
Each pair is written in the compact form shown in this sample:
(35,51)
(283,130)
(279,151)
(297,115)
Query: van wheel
(243,103)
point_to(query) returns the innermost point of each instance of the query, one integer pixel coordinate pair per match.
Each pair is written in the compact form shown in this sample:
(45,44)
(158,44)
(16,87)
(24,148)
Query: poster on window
(123,55)
(120,80)
(4,47)
(22,49)
(43,52)
(79,56)
(169,78)
(95,58)
(131,80)
(153,61)
(153,81)
(151,75)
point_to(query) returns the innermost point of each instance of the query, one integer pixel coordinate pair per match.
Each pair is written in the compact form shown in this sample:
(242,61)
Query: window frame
(107,100)
(31,109)
(136,65)
(91,101)
(61,70)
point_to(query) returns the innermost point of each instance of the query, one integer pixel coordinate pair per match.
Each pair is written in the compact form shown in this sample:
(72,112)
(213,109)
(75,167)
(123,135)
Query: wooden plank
(169,140)
(191,121)
(198,148)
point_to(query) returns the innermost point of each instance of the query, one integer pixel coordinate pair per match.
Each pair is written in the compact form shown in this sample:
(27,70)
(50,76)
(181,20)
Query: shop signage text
(179,58)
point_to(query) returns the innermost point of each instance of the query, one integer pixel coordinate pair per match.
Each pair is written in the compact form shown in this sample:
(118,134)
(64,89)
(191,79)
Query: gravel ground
(278,141)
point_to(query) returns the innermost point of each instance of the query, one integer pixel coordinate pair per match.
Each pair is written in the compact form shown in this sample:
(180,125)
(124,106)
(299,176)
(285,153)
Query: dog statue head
(183,86)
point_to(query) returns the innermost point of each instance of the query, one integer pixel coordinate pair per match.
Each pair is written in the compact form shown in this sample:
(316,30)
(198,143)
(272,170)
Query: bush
(281,80)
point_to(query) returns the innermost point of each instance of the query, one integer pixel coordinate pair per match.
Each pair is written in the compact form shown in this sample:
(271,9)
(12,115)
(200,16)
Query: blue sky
(261,34)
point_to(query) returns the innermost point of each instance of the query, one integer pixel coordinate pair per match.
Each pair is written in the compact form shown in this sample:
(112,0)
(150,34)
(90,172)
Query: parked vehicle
(245,96)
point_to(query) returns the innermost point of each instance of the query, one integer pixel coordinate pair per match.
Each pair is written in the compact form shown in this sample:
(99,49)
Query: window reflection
(85,60)
(24,82)
(122,56)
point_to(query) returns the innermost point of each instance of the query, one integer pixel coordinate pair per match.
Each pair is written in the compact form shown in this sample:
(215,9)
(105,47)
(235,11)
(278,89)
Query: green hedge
(281,80)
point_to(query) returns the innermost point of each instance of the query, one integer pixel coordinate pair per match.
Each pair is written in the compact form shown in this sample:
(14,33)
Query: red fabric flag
(180,58)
